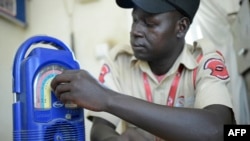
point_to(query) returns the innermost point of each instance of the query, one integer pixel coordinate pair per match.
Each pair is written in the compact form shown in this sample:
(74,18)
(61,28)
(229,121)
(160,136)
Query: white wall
(93,23)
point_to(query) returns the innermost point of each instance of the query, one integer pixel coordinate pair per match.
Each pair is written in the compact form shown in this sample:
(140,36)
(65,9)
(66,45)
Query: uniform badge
(180,101)
(105,70)
(217,67)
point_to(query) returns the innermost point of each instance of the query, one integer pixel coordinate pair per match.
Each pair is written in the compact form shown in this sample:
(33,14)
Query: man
(163,89)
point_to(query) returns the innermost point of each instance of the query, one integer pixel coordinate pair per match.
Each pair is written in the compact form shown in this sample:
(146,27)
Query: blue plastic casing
(49,119)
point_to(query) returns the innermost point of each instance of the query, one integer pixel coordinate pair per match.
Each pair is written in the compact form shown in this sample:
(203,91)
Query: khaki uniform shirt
(122,72)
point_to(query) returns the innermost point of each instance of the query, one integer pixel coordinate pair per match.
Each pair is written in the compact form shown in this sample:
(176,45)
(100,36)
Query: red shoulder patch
(105,70)
(217,67)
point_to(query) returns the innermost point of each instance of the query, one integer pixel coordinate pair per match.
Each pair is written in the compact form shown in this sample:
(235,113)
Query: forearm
(103,133)
(167,122)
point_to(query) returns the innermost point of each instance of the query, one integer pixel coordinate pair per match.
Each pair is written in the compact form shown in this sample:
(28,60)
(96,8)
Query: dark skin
(158,39)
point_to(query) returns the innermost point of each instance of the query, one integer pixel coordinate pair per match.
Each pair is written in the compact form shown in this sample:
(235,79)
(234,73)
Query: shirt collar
(187,58)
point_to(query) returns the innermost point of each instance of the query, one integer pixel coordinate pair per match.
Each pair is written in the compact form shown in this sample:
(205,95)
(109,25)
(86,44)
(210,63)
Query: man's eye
(150,24)
(134,20)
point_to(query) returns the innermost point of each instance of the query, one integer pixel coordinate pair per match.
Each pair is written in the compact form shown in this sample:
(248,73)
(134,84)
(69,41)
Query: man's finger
(60,79)
(62,88)
(66,97)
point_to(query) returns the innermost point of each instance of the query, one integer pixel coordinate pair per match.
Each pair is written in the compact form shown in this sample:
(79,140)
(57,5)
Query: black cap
(186,7)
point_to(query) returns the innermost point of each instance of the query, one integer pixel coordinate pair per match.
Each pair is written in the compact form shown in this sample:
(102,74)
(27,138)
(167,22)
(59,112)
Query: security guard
(160,87)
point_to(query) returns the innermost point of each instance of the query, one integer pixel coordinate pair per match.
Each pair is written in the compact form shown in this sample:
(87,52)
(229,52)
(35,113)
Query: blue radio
(37,114)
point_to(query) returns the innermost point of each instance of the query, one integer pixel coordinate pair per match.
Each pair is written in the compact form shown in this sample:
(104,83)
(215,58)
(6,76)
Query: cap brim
(125,3)
(150,6)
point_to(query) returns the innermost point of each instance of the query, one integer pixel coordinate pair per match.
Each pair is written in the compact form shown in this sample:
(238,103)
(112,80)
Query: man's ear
(183,26)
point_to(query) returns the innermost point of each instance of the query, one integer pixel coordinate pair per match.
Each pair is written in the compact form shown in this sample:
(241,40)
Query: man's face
(153,36)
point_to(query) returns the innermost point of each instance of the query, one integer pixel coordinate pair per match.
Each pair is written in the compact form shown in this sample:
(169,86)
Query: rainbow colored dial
(42,89)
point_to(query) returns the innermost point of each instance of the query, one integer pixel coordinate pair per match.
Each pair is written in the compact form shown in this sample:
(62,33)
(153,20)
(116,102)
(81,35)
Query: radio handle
(20,54)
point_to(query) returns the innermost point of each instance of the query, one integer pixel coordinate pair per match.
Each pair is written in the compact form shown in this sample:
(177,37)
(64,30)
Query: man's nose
(137,30)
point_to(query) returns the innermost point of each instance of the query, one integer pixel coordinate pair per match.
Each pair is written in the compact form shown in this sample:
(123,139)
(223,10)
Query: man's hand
(79,87)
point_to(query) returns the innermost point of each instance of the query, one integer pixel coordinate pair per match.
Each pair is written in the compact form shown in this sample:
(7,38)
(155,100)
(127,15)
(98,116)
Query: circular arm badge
(217,67)
(104,71)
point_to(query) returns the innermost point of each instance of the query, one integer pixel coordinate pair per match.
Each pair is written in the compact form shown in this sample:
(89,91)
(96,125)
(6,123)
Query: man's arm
(169,123)
(103,130)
